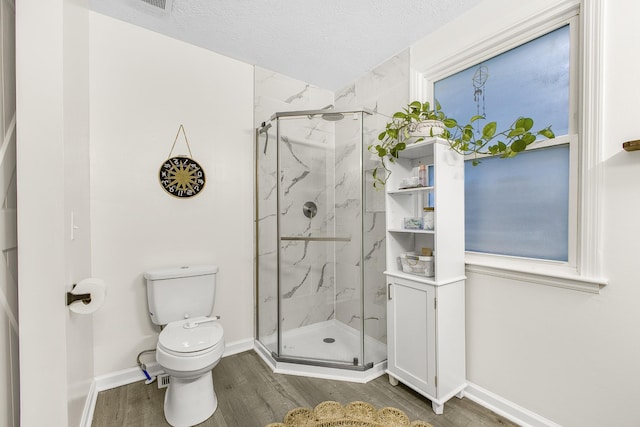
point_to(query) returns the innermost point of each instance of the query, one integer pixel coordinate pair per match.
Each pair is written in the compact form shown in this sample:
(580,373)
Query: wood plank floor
(249,395)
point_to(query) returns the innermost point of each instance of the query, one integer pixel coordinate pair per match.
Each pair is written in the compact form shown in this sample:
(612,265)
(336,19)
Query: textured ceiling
(328,43)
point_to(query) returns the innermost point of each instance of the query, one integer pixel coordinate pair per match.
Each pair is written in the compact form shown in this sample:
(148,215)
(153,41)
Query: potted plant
(418,120)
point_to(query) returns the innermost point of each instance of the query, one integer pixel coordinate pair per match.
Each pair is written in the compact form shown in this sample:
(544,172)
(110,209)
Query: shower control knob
(309,209)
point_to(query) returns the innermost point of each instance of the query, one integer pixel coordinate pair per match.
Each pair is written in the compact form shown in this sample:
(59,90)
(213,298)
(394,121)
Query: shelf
(404,230)
(420,149)
(445,192)
(409,191)
(423,279)
(414,277)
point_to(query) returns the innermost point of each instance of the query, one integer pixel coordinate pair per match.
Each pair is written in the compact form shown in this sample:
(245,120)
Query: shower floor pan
(334,342)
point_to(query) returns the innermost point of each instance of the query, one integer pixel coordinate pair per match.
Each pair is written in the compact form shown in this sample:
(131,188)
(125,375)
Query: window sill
(556,279)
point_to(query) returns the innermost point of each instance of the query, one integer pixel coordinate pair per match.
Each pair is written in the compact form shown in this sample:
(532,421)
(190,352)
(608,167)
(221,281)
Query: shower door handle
(317,239)
(389,291)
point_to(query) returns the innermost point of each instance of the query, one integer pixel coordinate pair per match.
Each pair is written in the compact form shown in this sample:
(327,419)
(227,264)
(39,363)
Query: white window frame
(582,270)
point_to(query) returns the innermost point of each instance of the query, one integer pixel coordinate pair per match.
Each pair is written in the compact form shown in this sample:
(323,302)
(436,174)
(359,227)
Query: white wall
(143,86)
(79,328)
(52,163)
(41,222)
(568,356)
(618,317)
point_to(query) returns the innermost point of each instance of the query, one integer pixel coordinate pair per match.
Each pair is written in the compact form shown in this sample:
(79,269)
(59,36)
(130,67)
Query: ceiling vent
(163,5)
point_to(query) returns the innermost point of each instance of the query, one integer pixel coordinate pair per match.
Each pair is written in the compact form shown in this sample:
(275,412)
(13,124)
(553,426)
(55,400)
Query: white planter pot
(426,128)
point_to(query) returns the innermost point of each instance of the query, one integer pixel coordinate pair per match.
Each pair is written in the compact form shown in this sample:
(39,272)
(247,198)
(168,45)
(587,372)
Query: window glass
(517,206)
(531,79)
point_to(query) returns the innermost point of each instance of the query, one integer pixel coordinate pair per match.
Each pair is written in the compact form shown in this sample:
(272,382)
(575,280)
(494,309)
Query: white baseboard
(238,347)
(132,375)
(506,408)
(89,406)
(325,373)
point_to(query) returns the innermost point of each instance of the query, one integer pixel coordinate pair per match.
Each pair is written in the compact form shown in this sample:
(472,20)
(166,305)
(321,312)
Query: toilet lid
(176,337)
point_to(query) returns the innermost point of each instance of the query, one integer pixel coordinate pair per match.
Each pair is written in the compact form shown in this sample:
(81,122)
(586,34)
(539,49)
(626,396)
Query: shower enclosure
(320,241)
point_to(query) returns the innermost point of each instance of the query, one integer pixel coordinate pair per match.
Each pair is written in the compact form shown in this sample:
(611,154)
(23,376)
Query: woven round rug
(354,414)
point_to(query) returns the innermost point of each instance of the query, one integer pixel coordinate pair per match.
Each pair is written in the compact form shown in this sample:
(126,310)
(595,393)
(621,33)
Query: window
(519,207)
(517,26)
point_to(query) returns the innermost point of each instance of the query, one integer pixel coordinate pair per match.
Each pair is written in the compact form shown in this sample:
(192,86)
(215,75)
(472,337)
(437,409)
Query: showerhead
(333,117)
(264,127)
(329,115)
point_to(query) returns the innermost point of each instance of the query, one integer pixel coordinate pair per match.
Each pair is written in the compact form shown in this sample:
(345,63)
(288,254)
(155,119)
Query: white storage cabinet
(425,315)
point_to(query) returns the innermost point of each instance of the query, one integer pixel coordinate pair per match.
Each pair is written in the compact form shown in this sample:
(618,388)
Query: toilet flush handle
(195,323)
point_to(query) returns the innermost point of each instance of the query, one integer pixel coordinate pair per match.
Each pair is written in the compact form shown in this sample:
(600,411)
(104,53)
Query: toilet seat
(179,340)
(189,352)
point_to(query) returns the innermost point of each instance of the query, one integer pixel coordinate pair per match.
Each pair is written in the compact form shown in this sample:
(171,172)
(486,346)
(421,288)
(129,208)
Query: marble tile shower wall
(348,211)
(307,267)
(267,239)
(382,90)
(307,175)
(9,316)
(324,172)
(275,92)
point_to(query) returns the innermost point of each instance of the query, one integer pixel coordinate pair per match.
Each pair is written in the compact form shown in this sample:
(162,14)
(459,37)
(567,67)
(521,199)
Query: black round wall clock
(182,177)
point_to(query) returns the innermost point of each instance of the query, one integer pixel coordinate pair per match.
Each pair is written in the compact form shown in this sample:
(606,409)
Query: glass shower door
(320,261)
(266,232)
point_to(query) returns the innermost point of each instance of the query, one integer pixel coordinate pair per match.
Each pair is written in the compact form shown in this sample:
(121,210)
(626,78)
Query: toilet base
(188,402)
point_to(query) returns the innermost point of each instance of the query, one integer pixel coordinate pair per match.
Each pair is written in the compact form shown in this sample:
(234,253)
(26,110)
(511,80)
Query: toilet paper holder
(71,298)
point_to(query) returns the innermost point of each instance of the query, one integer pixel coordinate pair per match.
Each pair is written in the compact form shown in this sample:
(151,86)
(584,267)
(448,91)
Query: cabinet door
(411,319)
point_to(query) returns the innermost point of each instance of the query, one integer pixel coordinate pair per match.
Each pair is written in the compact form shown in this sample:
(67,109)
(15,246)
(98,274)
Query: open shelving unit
(425,315)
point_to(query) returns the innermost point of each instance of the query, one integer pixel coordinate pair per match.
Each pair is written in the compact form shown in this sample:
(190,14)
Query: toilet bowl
(191,342)
(187,351)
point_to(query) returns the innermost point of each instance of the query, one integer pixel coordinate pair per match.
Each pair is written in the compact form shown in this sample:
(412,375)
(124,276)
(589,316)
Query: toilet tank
(179,293)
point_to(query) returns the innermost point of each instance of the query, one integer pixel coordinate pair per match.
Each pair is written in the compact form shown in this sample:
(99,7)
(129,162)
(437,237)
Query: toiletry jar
(412,223)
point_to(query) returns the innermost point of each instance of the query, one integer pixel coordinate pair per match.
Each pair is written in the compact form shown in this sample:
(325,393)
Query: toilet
(191,342)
